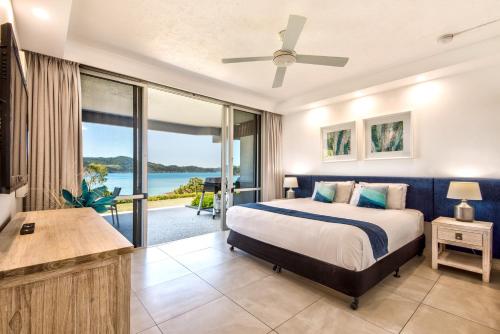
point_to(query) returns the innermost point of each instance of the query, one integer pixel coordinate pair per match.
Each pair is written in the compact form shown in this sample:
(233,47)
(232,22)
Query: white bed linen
(341,245)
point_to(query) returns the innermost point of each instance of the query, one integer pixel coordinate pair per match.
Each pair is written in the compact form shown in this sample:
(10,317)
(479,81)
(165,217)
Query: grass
(122,207)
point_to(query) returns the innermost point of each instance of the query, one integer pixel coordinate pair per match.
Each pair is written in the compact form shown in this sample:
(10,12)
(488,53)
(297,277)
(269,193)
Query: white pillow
(343,193)
(396,194)
(355,194)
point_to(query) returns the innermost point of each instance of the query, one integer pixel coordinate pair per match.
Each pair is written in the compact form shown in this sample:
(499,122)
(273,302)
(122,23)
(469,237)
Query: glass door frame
(228,159)
(139,183)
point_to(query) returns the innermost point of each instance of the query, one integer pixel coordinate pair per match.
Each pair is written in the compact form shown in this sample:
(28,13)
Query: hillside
(123,164)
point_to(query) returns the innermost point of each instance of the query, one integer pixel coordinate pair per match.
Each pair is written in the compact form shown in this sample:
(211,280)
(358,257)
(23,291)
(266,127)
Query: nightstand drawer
(457,236)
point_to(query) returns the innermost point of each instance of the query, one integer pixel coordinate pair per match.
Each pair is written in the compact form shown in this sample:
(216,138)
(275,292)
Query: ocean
(158,183)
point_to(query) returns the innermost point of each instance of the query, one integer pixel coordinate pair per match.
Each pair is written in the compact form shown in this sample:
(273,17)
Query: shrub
(208,200)
(194,185)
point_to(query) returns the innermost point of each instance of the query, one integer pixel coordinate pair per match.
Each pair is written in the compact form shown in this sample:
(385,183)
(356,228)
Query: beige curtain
(55,122)
(272,156)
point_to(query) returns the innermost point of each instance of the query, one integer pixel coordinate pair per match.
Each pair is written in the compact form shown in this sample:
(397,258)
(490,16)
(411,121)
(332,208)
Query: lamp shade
(290,182)
(464,190)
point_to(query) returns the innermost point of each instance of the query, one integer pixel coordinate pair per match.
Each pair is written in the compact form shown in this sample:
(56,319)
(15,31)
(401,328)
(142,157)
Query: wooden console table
(71,276)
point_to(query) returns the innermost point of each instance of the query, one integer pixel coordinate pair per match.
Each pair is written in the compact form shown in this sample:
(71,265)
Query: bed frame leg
(355,303)
(231,248)
(277,268)
(396,273)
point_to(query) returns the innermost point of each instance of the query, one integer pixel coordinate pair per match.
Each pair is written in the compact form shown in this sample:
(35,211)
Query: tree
(95,174)
(194,185)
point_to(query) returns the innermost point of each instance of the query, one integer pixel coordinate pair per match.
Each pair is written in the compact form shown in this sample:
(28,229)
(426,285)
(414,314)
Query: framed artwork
(388,137)
(338,142)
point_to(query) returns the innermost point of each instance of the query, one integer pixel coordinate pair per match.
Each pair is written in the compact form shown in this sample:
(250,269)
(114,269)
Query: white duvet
(341,245)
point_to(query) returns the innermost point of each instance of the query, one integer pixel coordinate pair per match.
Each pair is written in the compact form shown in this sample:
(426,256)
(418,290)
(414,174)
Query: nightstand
(476,235)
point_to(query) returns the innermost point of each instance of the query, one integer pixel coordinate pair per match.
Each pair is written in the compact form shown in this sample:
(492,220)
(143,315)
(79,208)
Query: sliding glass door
(176,161)
(243,156)
(246,143)
(112,148)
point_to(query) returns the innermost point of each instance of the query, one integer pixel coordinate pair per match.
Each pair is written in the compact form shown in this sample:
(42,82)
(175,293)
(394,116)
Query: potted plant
(96,199)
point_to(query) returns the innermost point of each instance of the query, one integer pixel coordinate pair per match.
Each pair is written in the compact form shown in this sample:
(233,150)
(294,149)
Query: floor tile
(324,317)
(221,316)
(469,300)
(187,245)
(167,300)
(147,255)
(152,330)
(274,299)
(409,286)
(420,266)
(139,317)
(149,274)
(203,259)
(428,320)
(235,273)
(381,307)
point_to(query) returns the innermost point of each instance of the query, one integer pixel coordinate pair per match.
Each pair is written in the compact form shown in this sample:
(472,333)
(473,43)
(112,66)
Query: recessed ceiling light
(40,13)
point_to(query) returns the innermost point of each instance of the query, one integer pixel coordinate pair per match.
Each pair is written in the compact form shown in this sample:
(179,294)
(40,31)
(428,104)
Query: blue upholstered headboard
(488,209)
(419,195)
(427,195)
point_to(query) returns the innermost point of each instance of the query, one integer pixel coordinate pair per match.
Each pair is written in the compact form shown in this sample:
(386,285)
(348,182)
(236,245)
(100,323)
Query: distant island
(122,164)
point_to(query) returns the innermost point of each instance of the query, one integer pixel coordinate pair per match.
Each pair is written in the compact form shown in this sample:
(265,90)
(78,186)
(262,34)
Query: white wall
(456,127)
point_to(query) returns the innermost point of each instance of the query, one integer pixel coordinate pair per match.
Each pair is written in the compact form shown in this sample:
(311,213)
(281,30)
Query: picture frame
(388,136)
(339,142)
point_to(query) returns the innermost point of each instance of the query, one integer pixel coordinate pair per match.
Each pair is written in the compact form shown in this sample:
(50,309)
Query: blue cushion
(325,192)
(373,197)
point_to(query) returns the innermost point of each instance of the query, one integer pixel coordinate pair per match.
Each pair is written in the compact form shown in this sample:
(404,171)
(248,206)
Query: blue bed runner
(376,235)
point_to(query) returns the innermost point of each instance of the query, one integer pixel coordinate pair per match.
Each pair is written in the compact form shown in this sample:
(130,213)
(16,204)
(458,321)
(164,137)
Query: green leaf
(85,187)
(68,197)
(100,208)
(108,200)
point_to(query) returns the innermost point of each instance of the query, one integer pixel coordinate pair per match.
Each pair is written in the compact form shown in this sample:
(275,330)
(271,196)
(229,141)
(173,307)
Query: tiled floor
(197,285)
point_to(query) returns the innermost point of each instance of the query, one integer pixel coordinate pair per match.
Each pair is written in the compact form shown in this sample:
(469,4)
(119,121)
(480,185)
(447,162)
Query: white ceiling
(194,35)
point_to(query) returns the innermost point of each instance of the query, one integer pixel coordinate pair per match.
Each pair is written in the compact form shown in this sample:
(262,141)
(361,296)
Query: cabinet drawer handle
(458,236)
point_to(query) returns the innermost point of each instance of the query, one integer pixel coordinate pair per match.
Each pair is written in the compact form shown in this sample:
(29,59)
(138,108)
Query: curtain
(272,156)
(55,123)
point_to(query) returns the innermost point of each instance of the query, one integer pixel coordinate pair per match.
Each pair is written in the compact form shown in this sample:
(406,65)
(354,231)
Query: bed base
(351,283)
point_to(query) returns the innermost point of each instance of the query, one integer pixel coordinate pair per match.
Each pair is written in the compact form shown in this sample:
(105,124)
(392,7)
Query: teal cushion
(373,197)
(325,192)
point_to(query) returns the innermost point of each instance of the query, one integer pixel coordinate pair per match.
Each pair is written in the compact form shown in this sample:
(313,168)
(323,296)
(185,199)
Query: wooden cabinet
(71,276)
(475,235)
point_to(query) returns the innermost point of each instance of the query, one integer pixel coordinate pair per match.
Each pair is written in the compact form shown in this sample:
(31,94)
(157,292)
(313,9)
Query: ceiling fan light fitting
(284,58)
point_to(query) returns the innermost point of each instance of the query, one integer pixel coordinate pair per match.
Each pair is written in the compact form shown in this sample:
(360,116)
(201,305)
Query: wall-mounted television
(13,115)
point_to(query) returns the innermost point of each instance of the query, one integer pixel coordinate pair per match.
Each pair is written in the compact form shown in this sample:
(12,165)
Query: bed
(298,235)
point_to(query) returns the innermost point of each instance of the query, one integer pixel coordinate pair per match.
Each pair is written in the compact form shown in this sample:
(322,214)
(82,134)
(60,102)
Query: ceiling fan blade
(279,77)
(322,60)
(293,30)
(244,60)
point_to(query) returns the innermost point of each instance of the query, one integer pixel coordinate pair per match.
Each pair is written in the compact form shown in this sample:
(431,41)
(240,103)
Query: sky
(167,148)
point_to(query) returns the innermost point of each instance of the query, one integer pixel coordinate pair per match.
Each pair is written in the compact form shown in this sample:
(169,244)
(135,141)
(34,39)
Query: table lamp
(464,191)
(290,182)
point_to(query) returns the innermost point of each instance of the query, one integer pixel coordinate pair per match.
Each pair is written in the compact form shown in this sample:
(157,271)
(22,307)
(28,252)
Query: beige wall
(456,126)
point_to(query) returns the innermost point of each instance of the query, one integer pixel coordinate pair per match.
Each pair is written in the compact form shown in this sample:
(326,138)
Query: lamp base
(290,194)
(464,212)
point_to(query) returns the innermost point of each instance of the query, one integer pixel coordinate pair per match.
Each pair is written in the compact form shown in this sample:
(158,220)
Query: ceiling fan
(287,56)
